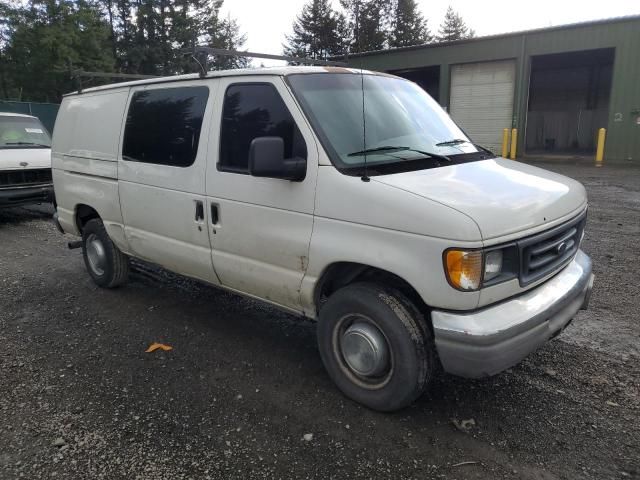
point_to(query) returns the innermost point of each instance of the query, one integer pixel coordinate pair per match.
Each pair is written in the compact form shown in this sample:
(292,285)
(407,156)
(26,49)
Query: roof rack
(202,51)
(133,76)
(78,75)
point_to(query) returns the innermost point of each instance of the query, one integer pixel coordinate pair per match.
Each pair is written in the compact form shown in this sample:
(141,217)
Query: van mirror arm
(295,169)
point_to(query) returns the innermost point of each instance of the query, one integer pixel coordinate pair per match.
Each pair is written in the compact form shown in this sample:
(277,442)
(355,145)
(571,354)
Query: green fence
(46,112)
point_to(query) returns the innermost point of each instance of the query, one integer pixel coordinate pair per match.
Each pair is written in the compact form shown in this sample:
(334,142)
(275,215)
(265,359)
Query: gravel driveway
(243,394)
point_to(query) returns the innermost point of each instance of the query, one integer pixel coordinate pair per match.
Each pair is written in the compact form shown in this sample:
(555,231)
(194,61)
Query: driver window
(252,110)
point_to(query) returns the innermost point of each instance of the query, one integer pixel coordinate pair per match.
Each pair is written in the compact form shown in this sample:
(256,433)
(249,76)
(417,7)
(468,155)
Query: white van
(25,161)
(412,247)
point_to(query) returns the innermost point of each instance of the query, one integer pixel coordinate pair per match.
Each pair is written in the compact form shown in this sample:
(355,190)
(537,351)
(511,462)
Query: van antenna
(365,176)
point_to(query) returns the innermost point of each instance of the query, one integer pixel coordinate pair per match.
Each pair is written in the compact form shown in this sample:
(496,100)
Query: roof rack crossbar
(286,58)
(84,73)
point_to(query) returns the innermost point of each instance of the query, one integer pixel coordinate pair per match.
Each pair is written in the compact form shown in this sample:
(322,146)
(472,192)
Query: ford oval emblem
(24,164)
(560,249)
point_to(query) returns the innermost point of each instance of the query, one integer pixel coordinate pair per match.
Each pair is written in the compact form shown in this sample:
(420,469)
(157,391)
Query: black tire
(411,352)
(113,270)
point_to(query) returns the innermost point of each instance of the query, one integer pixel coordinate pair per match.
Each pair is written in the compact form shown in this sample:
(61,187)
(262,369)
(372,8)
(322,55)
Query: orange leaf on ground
(155,346)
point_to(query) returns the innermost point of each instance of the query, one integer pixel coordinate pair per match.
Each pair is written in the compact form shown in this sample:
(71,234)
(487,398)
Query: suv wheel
(106,264)
(376,346)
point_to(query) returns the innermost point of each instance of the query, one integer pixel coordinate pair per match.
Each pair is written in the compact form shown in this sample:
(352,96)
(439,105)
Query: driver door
(260,228)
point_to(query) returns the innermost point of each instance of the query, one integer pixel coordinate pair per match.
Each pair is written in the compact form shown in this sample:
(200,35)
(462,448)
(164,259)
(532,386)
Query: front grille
(545,252)
(19,178)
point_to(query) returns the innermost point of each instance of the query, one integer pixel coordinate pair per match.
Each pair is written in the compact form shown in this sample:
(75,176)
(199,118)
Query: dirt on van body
(243,393)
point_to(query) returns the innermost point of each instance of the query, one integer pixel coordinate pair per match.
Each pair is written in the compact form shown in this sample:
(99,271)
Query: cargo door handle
(199,211)
(214,214)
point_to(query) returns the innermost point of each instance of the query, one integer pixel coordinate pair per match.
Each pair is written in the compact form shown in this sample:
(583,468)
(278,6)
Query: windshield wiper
(391,149)
(386,148)
(458,141)
(455,141)
(27,143)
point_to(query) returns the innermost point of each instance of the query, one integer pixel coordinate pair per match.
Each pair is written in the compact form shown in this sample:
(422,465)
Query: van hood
(502,196)
(15,158)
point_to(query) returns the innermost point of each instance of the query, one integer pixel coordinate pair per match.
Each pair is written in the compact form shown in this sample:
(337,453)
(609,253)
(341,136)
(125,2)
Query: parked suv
(347,197)
(25,161)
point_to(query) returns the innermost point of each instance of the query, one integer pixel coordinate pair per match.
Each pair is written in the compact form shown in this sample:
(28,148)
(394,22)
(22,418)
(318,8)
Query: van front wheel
(106,264)
(376,346)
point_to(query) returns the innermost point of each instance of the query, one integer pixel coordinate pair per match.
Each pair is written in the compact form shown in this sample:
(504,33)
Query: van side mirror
(266,159)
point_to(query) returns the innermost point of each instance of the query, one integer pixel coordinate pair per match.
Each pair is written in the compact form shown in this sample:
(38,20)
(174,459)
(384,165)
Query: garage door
(482,100)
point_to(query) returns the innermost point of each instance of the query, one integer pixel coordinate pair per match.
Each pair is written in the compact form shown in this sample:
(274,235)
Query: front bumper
(487,341)
(14,196)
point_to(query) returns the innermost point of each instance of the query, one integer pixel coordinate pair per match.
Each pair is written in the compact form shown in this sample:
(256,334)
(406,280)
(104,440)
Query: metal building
(558,86)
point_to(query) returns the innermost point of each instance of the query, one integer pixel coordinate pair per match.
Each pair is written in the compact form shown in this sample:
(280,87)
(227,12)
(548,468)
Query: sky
(267,21)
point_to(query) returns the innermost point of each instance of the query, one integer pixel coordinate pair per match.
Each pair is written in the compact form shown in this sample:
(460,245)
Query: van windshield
(23,132)
(405,128)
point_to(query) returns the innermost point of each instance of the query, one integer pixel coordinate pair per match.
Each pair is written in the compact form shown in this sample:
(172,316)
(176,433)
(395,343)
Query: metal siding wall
(623,138)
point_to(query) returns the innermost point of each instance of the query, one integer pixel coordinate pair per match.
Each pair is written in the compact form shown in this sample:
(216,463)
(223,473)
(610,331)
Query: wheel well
(342,274)
(84,213)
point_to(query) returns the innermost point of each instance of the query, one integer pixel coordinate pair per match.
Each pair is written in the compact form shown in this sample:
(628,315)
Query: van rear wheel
(376,346)
(106,264)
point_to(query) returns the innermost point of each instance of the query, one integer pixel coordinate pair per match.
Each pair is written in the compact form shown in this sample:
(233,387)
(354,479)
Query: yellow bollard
(602,133)
(505,142)
(514,143)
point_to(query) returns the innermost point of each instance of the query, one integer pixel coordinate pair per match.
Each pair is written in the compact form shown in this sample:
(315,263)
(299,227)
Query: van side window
(163,126)
(254,110)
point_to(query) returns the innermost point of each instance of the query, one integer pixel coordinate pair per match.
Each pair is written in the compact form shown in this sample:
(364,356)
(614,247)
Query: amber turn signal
(464,268)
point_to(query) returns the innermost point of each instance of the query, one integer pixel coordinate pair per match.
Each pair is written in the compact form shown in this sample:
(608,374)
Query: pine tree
(226,34)
(408,25)
(152,35)
(44,37)
(8,23)
(316,32)
(189,19)
(369,22)
(38,39)
(453,28)
(375,25)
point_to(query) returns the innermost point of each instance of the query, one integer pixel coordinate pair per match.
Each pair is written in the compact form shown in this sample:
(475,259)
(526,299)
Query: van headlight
(470,270)
(492,264)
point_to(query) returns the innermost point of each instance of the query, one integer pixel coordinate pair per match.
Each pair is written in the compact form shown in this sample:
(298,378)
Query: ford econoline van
(343,196)
(25,161)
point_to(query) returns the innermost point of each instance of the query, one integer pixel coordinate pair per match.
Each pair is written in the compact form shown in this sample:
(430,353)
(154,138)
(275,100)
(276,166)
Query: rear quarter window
(163,126)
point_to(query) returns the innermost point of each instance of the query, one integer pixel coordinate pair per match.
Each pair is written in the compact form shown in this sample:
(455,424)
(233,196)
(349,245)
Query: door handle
(215,217)
(199,211)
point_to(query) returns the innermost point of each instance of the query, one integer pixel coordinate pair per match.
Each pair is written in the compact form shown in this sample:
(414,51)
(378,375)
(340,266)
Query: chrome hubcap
(96,254)
(365,349)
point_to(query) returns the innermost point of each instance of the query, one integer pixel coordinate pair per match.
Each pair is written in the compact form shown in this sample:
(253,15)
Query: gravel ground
(243,393)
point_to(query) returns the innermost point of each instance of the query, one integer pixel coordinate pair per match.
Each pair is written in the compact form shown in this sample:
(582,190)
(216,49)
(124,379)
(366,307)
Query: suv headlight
(470,270)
